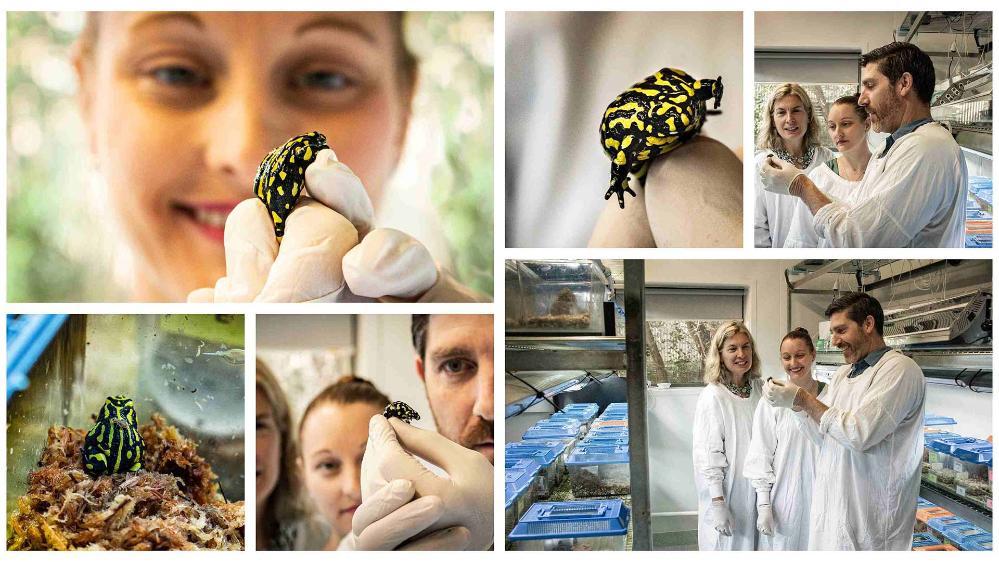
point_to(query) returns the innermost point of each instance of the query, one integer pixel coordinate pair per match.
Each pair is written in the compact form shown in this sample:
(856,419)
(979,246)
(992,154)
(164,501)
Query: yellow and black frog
(114,444)
(651,118)
(281,176)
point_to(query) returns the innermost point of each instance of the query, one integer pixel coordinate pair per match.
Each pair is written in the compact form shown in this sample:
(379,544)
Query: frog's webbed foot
(619,184)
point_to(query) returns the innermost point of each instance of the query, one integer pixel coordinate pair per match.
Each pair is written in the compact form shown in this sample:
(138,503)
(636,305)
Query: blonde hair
(769,139)
(715,371)
(286,503)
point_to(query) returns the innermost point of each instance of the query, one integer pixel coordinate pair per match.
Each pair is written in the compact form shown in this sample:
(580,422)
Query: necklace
(801,162)
(740,391)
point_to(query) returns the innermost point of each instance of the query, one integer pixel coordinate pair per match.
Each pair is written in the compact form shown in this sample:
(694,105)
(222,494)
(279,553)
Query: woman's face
(737,354)
(333,440)
(268,451)
(182,107)
(797,358)
(846,129)
(790,119)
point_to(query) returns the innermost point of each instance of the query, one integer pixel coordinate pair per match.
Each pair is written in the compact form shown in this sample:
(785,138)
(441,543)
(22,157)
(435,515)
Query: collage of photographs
(746,300)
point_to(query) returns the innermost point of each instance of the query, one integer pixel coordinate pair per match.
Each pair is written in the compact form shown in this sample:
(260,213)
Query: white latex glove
(720,517)
(778,175)
(388,265)
(764,513)
(306,267)
(466,492)
(391,515)
(780,394)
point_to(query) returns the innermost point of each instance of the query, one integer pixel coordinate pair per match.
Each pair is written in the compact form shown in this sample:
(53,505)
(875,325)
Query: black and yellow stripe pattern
(651,118)
(114,444)
(281,176)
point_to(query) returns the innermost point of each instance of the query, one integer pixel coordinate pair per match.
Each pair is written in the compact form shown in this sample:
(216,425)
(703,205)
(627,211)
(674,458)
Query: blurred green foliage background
(59,248)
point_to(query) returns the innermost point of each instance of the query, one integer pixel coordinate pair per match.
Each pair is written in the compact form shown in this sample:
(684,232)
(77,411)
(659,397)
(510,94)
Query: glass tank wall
(187,368)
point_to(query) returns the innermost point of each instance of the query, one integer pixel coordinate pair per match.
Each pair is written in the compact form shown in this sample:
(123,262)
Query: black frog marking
(401,410)
(281,176)
(114,445)
(651,118)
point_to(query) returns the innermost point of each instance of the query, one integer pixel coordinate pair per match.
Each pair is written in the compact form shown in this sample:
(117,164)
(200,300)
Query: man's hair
(418,329)
(858,306)
(895,59)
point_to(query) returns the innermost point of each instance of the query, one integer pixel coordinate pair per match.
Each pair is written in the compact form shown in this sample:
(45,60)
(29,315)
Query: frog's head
(118,410)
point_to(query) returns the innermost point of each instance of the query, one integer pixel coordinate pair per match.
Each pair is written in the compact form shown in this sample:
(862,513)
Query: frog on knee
(651,118)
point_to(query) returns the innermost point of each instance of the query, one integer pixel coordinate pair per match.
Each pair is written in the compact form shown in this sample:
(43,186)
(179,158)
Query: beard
(888,114)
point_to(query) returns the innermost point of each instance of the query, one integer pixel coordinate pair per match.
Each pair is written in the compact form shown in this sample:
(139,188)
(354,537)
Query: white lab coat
(867,473)
(774,213)
(914,197)
(723,425)
(802,233)
(781,460)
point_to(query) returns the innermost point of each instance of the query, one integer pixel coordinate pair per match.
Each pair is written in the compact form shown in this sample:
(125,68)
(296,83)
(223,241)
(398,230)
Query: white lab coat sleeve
(709,445)
(896,392)
(908,195)
(808,427)
(761,225)
(759,464)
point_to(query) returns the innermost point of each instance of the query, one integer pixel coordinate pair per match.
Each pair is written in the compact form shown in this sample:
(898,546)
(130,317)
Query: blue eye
(177,76)
(325,80)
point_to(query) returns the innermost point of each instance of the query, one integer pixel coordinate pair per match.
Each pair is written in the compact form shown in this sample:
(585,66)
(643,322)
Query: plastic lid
(929,438)
(924,539)
(946,445)
(573,417)
(567,422)
(964,534)
(979,452)
(983,542)
(933,420)
(939,524)
(921,503)
(608,430)
(616,406)
(556,445)
(575,519)
(529,465)
(544,456)
(598,454)
(517,480)
(537,432)
(592,439)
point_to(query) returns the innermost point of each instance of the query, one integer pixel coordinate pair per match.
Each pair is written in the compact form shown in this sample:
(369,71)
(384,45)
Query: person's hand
(780,394)
(388,265)
(391,516)
(778,175)
(466,492)
(764,514)
(720,517)
(306,267)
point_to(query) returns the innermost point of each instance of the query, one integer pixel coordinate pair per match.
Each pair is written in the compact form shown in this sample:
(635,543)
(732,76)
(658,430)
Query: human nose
(484,397)
(836,340)
(863,98)
(237,138)
(350,484)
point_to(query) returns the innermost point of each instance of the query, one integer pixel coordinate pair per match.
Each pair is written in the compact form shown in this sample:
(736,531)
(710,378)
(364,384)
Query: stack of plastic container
(956,531)
(548,458)
(575,525)
(521,488)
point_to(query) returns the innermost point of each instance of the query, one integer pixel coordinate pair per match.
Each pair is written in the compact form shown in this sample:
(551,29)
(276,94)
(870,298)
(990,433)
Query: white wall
(853,30)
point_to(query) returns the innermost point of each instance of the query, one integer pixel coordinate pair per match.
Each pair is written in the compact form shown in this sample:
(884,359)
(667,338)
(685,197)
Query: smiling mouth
(792,130)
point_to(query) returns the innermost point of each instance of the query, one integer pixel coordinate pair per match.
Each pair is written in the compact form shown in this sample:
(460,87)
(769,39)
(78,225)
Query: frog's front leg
(619,180)
(95,461)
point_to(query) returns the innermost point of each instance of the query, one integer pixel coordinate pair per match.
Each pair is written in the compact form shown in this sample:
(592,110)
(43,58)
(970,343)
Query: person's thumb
(433,447)
(388,458)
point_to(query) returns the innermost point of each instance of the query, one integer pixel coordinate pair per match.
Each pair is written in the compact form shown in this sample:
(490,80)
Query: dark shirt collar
(902,131)
(868,360)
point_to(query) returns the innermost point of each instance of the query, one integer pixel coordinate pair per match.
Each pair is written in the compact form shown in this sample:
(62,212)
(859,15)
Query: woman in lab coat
(781,460)
(791,133)
(722,430)
(848,125)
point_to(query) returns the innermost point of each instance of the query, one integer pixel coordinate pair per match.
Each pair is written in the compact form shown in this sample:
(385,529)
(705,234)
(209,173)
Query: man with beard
(913,192)
(406,505)
(870,435)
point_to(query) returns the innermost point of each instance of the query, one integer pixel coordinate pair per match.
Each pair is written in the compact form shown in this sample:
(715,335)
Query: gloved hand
(720,517)
(306,269)
(778,175)
(466,492)
(391,515)
(388,265)
(780,394)
(764,513)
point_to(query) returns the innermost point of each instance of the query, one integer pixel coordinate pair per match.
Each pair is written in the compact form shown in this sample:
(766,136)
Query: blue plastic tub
(923,539)
(575,525)
(546,457)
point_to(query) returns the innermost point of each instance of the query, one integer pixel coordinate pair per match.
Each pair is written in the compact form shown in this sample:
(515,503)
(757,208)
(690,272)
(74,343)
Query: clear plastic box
(575,525)
(520,492)
(546,458)
(923,539)
(558,446)
(561,296)
(599,470)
